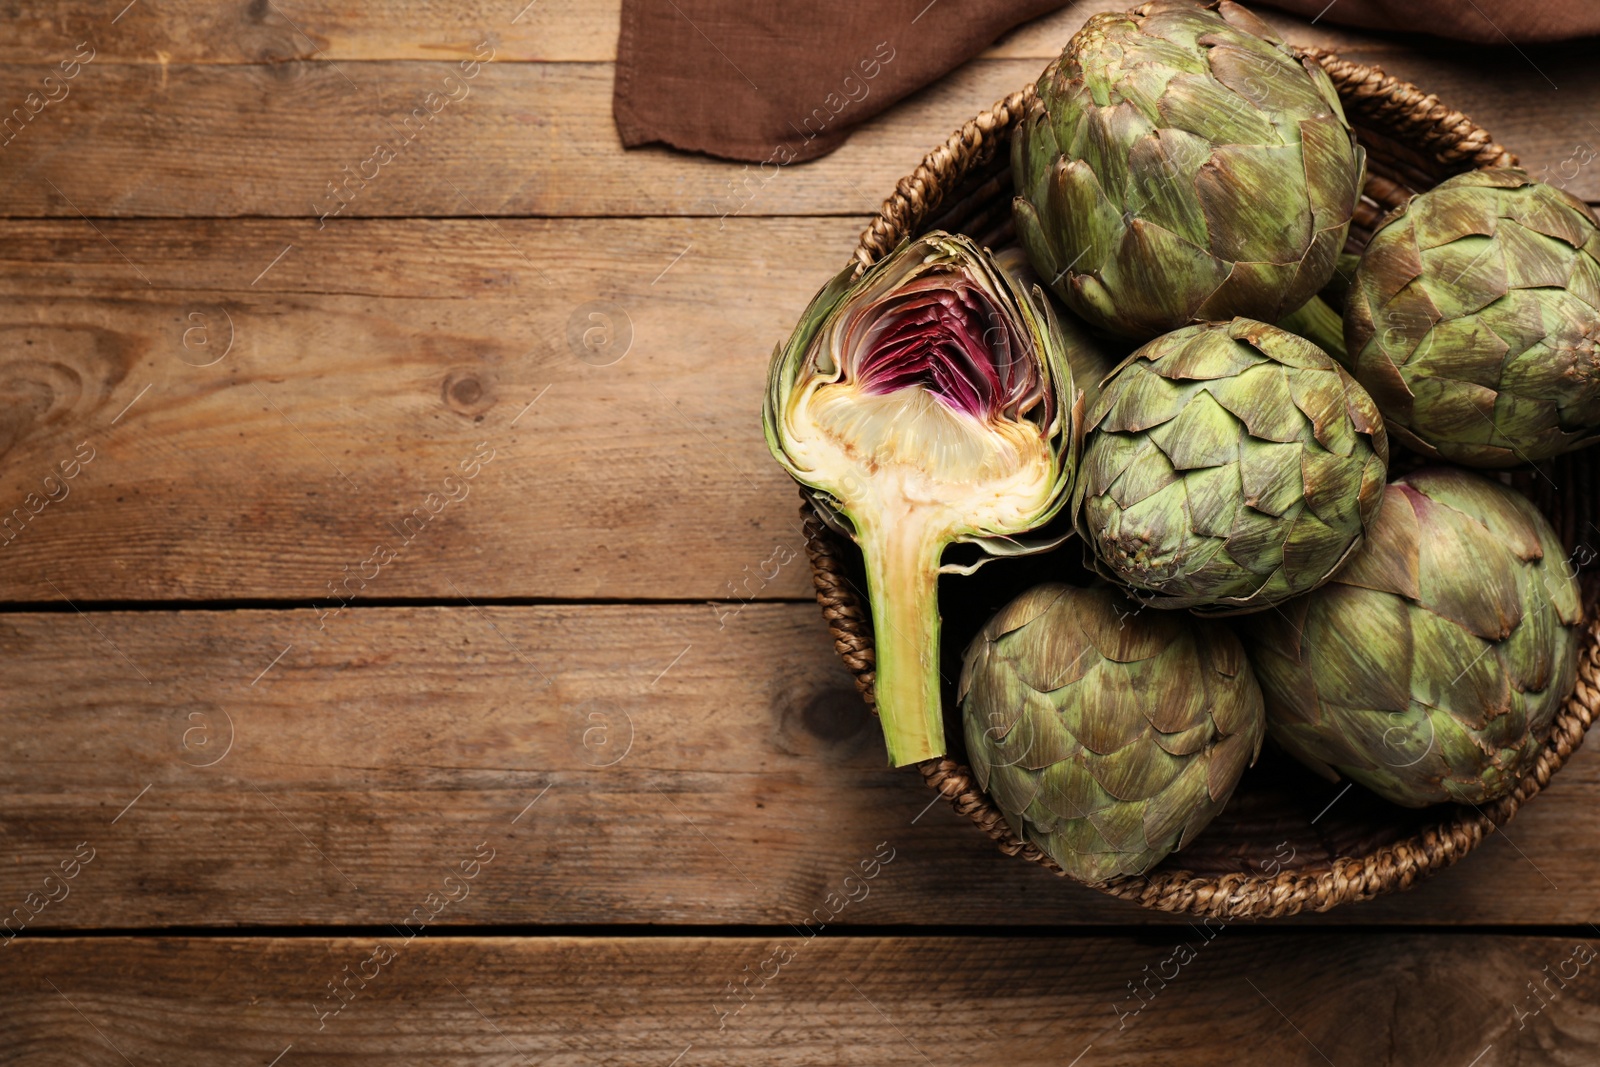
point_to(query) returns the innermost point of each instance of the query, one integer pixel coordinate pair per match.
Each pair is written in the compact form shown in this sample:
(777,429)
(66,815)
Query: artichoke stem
(902,562)
(1318,323)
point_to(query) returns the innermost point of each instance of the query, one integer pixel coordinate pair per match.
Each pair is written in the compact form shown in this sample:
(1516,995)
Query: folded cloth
(780,83)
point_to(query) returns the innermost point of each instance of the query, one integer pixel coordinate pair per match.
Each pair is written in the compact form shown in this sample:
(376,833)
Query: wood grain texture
(252,31)
(421,769)
(366,366)
(538,139)
(1044,37)
(1411,1000)
(525,139)
(278,31)
(684,764)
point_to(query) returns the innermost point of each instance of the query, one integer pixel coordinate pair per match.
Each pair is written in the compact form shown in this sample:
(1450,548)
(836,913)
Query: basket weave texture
(1237,867)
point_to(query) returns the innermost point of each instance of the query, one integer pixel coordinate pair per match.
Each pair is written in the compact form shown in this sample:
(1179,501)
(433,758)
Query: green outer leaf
(1320,324)
(1430,668)
(1474,320)
(1112,765)
(1266,467)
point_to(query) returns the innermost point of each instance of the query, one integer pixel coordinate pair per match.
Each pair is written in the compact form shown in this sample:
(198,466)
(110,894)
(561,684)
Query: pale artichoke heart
(907,456)
(925,401)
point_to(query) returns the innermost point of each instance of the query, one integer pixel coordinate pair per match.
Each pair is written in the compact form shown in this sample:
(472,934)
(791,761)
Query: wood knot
(465,392)
(833,715)
(820,719)
(54,376)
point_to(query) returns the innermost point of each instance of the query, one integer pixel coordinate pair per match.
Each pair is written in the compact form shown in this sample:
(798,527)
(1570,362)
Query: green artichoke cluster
(1181,163)
(1183,178)
(1184,181)
(1229,467)
(1474,320)
(1432,665)
(1108,736)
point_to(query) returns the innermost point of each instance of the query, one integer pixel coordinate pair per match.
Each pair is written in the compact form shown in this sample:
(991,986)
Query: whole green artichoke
(1474,320)
(1228,466)
(1180,163)
(1107,736)
(1430,668)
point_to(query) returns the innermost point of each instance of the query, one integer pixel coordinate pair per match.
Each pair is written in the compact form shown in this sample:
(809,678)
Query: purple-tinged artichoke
(928,402)
(1430,668)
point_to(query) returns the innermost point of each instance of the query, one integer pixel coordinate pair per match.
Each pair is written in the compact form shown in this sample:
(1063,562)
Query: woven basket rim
(1454,141)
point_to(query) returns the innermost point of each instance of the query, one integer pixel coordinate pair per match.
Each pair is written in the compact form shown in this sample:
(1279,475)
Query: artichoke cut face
(1431,667)
(931,391)
(1108,737)
(930,401)
(909,456)
(1474,320)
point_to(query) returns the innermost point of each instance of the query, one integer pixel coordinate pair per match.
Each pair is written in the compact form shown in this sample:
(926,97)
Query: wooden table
(418,665)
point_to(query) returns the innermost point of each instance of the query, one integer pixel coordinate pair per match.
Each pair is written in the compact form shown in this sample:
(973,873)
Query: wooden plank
(538,139)
(1227,997)
(524,139)
(366,366)
(237,32)
(278,31)
(624,764)
(187,31)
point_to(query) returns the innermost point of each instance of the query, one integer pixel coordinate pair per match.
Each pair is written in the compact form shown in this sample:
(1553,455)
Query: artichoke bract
(1091,356)
(1107,736)
(1228,467)
(1181,164)
(927,403)
(1474,320)
(1431,667)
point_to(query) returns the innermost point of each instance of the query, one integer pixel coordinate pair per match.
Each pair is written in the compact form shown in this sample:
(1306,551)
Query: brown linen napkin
(777,83)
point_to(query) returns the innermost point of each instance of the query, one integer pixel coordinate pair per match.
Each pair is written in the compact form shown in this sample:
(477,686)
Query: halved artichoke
(928,402)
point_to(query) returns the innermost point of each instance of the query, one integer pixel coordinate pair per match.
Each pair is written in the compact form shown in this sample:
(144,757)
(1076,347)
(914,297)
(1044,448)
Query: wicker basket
(1287,842)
